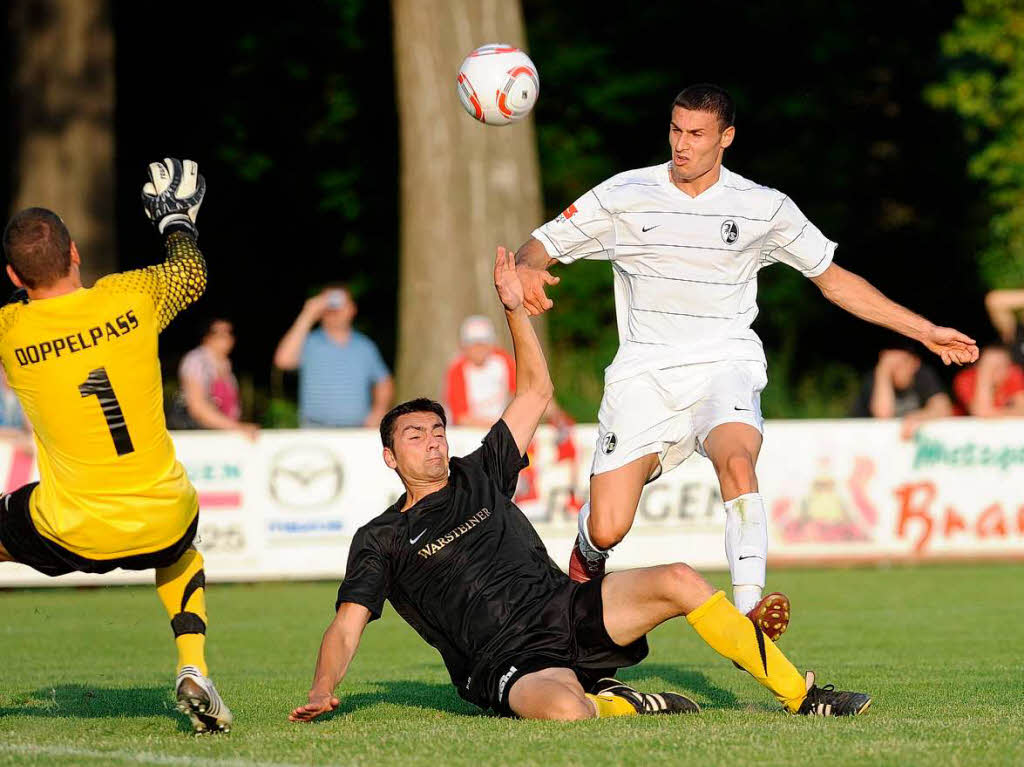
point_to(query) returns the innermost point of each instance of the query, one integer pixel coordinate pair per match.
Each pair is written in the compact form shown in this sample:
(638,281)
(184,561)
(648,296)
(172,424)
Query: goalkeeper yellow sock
(182,589)
(611,705)
(733,635)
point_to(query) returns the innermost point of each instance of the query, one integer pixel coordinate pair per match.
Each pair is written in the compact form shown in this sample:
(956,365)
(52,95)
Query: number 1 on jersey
(98,385)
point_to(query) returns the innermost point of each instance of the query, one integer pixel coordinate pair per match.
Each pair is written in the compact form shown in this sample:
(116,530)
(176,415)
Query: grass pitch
(87,677)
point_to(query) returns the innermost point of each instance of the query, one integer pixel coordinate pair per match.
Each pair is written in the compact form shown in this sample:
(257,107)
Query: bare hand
(250,431)
(318,704)
(315,307)
(889,359)
(909,427)
(951,345)
(506,279)
(533,282)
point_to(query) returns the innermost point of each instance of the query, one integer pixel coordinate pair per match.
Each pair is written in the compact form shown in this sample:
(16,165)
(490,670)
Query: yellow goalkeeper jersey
(85,367)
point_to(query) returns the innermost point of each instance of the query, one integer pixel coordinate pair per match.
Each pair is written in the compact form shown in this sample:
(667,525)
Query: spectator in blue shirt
(342,379)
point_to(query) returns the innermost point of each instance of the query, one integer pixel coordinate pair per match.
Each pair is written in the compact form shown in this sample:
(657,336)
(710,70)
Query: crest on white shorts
(609,442)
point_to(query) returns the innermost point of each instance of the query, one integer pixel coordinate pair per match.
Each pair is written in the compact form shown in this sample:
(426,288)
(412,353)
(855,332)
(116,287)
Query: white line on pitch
(143,757)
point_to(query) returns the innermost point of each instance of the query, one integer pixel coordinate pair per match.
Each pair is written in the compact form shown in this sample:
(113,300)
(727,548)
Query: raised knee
(686,587)
(681,575)
(606,534)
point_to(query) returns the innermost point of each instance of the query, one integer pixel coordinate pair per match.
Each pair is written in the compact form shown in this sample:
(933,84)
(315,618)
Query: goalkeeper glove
(173,194)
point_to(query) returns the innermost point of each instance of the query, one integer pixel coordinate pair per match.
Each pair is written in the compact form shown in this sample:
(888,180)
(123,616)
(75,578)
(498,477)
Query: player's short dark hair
(38,247)
(418,405)
(705,97)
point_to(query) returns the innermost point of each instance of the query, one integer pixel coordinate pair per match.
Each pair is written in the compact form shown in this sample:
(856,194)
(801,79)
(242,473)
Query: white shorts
(671,412)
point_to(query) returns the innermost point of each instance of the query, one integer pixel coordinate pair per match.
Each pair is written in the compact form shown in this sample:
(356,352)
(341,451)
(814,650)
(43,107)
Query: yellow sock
(182,589)
(733,635)
(611,705)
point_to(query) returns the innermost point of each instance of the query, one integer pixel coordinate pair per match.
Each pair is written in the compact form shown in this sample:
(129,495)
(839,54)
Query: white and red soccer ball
(498,84)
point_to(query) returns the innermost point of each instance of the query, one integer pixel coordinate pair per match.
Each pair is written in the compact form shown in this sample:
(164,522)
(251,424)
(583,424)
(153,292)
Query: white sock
(746,546)
(589,550)
(745,596)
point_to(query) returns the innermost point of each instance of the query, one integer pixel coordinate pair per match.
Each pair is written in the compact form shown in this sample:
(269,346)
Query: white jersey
(685,267)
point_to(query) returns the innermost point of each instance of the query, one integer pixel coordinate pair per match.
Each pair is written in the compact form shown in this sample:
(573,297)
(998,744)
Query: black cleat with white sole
(646,702)
(199,700)
(828,701)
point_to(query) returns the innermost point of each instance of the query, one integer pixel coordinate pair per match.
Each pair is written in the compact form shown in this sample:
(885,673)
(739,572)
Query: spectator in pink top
(209,391)
(481,381)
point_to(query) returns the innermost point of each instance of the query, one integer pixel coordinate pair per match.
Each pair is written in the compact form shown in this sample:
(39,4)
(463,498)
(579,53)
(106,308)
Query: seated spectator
(342,379)
(993,387)
(1005,309)
(208,396)
(901,386)
(482,379)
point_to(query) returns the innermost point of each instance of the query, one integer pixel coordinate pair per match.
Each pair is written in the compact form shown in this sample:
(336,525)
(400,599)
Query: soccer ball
(498,84)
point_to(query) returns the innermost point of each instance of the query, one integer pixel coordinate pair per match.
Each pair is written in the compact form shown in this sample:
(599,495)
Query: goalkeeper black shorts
(18,535)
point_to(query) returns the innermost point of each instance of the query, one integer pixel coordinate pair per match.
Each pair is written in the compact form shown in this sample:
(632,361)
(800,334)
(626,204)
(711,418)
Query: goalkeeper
(83,363)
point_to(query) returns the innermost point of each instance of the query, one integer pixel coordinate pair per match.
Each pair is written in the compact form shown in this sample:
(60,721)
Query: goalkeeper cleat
(827,701)
(583,568)
(771,615)
(200,701)
(646,702)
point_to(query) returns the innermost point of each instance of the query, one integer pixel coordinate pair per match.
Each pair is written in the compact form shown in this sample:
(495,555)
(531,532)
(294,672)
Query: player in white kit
(686,240)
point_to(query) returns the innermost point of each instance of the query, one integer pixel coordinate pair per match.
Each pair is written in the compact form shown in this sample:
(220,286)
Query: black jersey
(464,567)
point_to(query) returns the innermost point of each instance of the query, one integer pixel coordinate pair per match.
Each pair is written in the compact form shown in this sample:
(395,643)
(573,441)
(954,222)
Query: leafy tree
(984,85)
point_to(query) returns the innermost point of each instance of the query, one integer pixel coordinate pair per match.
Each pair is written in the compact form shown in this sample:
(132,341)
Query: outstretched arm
(533,382)
(857,296)
(341,640)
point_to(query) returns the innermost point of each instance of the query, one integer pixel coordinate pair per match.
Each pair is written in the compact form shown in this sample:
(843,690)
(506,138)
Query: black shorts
(24,543)
(568,633)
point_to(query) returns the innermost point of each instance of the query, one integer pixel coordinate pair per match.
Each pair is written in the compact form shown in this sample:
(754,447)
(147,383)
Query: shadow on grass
(437,696)
(684,680)
(441,696)
(92,702)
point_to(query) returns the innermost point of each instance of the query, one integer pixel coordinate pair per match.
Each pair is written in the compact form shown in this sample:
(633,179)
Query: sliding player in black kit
(465,568)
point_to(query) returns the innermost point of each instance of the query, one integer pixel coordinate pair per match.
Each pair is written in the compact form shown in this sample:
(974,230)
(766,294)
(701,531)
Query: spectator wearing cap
(208,395)
(481,380)
(902,386)
(343,380)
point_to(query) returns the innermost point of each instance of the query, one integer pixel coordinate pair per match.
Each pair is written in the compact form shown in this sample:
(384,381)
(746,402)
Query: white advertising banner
(287,504)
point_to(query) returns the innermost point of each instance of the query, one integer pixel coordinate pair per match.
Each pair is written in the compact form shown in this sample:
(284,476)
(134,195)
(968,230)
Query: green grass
(87,680)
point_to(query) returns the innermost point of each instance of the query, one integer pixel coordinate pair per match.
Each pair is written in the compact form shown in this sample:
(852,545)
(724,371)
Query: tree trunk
(466,187)
(63,95)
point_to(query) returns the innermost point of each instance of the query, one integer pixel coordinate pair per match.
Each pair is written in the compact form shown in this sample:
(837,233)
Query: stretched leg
(607,517)
(733,449)
(182,589)
(635,601)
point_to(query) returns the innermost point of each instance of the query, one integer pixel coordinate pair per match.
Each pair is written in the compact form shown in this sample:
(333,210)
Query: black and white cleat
(199,700)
